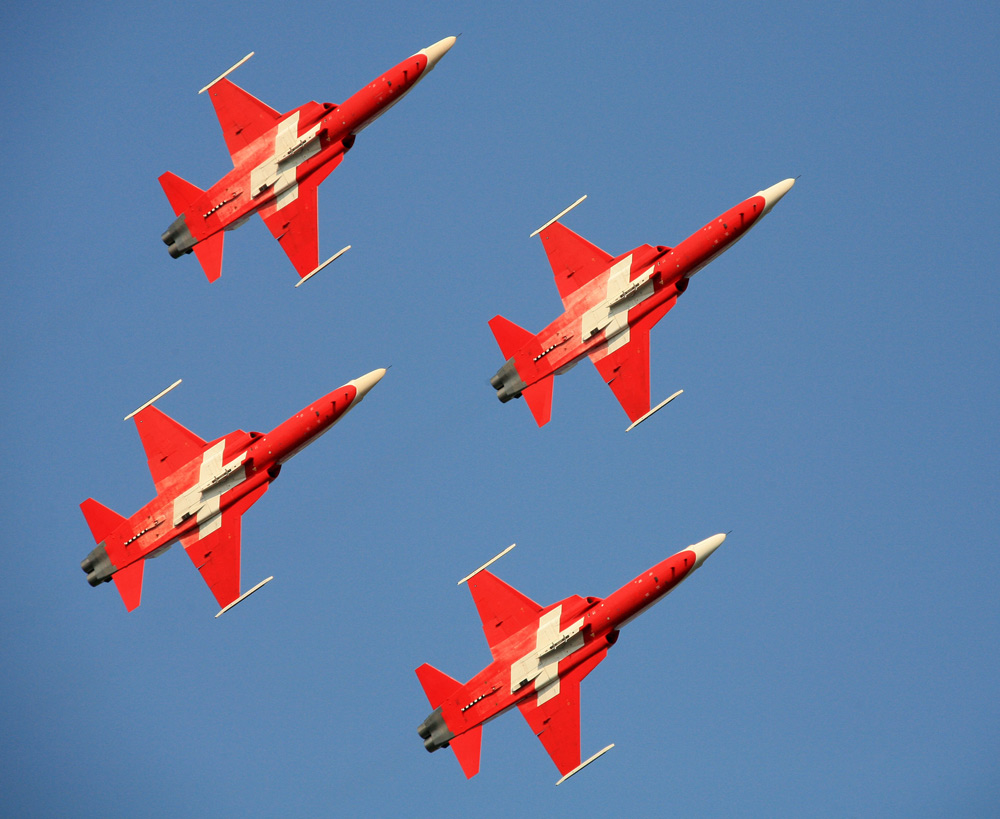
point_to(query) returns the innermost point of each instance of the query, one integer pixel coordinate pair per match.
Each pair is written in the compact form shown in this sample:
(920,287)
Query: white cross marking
(279,169)
(611,315)
(553,644)
(204,497)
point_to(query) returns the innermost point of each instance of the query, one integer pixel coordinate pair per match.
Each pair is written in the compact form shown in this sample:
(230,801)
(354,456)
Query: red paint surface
(176,461)
(582,272)
(511,623)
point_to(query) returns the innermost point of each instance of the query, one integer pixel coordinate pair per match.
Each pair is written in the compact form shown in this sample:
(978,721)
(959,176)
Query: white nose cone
(435,52)
(703,549)
(774,193)
(366,382)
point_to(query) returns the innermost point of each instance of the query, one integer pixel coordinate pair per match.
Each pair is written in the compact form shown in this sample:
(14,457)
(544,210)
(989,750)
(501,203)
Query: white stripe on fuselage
(204,497)
(531,667)
(279,170)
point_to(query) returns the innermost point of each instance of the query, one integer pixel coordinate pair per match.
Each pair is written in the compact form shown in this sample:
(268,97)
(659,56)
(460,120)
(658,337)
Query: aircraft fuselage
(568,634)
(598,316)
(193,498)
(268,171)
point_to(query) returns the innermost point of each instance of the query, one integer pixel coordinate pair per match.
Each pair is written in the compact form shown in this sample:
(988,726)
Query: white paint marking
(542,664)
(279,170)
(204,498)
(601,316)
(611,315)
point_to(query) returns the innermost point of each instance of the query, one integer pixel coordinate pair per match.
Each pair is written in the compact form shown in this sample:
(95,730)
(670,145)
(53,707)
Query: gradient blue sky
(837,656)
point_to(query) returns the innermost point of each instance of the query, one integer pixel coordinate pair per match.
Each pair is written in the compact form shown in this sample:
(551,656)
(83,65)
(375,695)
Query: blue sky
(837,656)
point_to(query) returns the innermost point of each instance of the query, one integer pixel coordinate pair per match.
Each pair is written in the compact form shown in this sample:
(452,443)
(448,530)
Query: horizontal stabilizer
(209,253)
(437,685)
(539,399)
(509,336)
(101,520)
(467,748)
(128,581)
(180,192)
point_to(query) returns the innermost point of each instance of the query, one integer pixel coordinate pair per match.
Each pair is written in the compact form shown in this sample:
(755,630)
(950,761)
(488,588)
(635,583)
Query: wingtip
(226,72)
(156,397)
(243,596)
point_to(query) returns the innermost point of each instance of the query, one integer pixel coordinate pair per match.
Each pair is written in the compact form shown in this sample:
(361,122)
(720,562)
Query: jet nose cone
(703,549)
(366,382)
(435,52)
(774,193)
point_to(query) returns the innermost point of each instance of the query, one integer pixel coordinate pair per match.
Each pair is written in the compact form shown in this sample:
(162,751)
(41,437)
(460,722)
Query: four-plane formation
(610,303)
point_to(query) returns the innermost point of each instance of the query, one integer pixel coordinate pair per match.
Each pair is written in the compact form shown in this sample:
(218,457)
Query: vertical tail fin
(180,192)
(509,336)
(98,564)
(209,253)
(467,748)
(101,520)
(438,686)
(512,339)
(539,399)
(128,581)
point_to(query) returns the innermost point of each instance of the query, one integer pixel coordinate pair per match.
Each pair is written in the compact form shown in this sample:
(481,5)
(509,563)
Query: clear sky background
(837,656)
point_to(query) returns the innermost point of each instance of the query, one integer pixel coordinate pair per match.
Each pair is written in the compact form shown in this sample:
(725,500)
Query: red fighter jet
(612,302)
(540,655)
(279,161)
(203,489)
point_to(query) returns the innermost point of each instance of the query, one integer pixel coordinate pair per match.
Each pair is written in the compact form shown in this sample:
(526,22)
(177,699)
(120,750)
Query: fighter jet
(611,304)
(279,161)
(540,655)
(203,489)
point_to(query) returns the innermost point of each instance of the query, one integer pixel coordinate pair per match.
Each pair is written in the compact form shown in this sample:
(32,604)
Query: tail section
(509,336)
(437,685)
(180,192)
(539,399)
(128,581)
(98,564)
(101,520)
(508,382)
(178,237)
(209,253)
(467,748)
